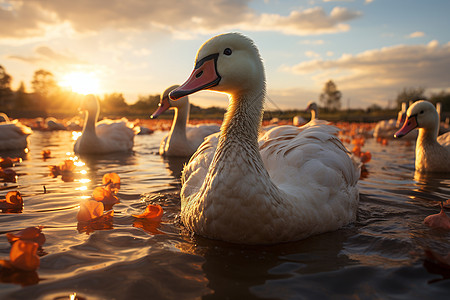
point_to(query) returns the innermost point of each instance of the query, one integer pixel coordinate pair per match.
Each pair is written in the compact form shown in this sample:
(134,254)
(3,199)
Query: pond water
(380,256)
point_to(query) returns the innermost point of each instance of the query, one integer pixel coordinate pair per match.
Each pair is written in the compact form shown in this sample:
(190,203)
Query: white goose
(312,107)
(13,134)
(106,136)
(432,151)
(182,140)
(297,182)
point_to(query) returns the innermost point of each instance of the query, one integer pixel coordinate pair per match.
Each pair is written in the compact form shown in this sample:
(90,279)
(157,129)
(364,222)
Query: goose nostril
(199,74)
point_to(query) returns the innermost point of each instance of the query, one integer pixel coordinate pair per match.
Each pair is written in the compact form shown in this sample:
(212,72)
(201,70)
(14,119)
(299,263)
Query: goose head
(166,103)
(228,63)
(422,114)
(311,106)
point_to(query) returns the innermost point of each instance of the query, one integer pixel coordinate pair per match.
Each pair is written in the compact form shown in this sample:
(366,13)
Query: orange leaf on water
(33,234)
(438,221)
(152,212)
(357,150)
(89,210)
(365,157)
(46,153)
(105,196)
(6,162)
(13,201)
(8,175)
(23,255)
(111,180)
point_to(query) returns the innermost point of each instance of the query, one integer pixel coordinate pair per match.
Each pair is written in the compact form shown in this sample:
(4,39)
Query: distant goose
(295,183)
(386,129)
(53,124)
(13,134)
(182,140)
(106,136)
(432,151)
(312,107)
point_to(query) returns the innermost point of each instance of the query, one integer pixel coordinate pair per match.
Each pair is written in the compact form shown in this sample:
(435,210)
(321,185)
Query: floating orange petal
(365,157)
(105,196)
(65,169)
(67,165)
(33,234)
(9,175)
(90,210)
(438,221)
(13,201)
(46,154)
(152,212)
(111,180)
(8,162)
(23,255)
(357,150)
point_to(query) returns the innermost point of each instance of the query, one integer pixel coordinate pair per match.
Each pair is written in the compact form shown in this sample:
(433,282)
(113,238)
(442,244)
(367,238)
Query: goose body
(292,183)
(13,134)
(106,136)
(182,140)
(386,129)
(432,151)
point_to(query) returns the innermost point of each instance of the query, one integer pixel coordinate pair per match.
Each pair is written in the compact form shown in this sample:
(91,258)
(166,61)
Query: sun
(81,82)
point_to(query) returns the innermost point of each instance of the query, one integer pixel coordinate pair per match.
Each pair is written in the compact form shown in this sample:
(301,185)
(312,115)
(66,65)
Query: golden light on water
(81,82)
(76,135)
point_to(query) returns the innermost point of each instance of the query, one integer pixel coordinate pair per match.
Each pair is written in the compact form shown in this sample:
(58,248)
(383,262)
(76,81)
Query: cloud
(385,69)
(305,22)
(416,34)
(46,54)
(312,42)
(30,18)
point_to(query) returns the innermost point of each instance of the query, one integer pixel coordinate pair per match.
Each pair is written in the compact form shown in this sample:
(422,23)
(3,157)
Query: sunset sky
(371,49)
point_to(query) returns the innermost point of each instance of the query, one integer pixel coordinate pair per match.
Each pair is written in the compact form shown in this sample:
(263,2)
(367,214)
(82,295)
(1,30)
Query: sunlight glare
(81,82)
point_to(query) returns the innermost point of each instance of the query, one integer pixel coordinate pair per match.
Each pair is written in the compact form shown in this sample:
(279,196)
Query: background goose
(432,151)
(296,182)
(13,134)
(106,136)
(312,107)
(182,140)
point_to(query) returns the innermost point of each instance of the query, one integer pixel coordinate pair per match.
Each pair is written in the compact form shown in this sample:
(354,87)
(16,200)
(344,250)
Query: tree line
(49,99)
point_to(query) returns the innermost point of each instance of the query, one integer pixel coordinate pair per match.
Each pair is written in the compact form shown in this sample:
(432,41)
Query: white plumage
(293,183)
(183,139)
(106,136)
(13,134)
(432,151)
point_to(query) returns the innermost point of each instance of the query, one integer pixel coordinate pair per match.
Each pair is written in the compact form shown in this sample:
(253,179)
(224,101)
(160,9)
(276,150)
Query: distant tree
(374,107)
(410,94)
(21,100)
(442,97)
(146,104)
(5,89)
(113,103)
(43,85)
(331,96)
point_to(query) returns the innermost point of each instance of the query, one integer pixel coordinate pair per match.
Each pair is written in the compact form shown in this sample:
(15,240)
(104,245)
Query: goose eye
(227,51)
(421,112)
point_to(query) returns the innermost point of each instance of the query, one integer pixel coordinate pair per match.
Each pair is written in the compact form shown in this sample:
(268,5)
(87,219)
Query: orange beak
(204,76)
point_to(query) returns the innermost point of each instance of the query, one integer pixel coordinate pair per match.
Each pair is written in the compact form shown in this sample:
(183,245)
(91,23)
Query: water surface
(380,256)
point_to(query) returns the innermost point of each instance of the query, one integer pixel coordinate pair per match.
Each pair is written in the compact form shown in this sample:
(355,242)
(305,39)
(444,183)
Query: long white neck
(90,121)
(313,114)
(240,131)
(180,120)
